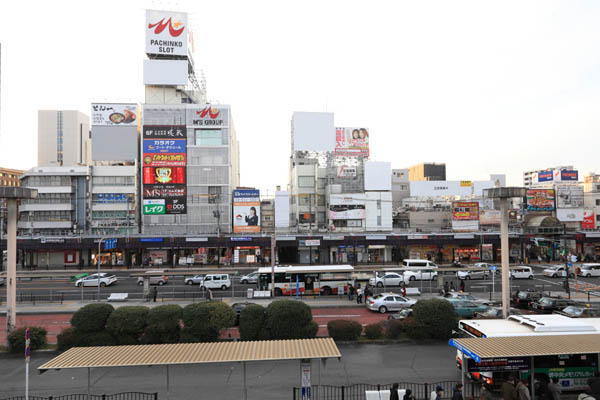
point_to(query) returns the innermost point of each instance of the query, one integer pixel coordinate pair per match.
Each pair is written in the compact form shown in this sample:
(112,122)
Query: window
(321,182)
(598,202)
(306,181)
(210,137)
(598,218)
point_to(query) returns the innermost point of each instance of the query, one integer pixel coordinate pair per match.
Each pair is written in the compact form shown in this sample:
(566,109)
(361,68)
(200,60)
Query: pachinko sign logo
(209,116)
(166,33)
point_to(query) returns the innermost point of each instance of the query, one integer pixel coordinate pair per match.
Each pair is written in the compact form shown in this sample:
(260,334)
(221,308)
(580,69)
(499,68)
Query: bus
(313,279)
(572,370)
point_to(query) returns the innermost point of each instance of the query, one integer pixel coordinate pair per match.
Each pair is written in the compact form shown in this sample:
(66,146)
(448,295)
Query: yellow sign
(465,184)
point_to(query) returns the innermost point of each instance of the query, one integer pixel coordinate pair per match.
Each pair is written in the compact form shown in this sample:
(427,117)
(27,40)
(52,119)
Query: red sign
(164,159)
(589,220)
(465,211)
(162,24)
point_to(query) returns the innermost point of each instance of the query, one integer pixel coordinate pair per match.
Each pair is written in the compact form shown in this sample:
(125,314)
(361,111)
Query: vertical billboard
(569,203)
(246,210)
(465,215)
(351,142)
(166,33)
(589,220)
(164,153)
(540,200)
(114,131)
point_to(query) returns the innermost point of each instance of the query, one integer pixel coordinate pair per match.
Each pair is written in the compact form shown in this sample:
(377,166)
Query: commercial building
(267,215)
(427,172)
(400,186)
(591,199)
(10,177)
(530,178)
(63,138)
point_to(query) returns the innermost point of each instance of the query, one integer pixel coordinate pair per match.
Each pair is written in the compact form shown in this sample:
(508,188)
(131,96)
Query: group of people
(359,292)
(449,287)
(514,389)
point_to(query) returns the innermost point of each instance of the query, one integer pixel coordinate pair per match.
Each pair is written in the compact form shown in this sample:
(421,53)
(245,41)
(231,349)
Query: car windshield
(377,296)
(573,310)
(523,295)
(554,268)
(545,300)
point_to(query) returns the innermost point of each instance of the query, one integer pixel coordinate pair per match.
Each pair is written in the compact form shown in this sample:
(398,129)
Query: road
(55,290)
(266,380)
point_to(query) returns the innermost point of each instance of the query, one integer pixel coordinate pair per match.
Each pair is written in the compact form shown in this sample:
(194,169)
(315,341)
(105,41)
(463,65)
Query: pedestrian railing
(84,396)
(421,391)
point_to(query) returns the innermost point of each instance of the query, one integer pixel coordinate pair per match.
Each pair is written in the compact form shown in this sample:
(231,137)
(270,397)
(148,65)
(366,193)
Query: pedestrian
(368,292)
(554,389)
(522,390)
(461,286)
(437,393)
(350,292)
(403,289)
(594,384)
(486,393)
(359,295)
(509,392)
(457,395)
(408,395)
(394,392)
(446,287)
(452,289)
(154,294)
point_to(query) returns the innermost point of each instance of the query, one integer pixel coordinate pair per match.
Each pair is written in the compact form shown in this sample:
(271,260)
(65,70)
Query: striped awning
(527,346)
(193,353)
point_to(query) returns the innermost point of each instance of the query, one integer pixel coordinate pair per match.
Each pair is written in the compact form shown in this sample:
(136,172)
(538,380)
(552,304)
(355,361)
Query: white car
(92,280)
(590,269)
(556,271)
(388,279)
(385,302)
(420,275)
(216,281)
(474,274)
(193,280)
(521,272)
(250,278)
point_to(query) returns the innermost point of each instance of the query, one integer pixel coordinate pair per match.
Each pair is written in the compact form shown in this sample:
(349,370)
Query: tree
(202,322)
(91,317)
(127,324)
(163,324)
(289,319)
(344,329)
(252,322)
(433,319)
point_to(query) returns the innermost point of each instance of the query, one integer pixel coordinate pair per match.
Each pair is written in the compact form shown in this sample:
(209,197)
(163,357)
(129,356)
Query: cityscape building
(63,138)
(427,172)
(530,178)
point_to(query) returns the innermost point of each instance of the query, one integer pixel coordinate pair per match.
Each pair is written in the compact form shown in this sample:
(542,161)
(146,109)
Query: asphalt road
(266,380)
(53,290)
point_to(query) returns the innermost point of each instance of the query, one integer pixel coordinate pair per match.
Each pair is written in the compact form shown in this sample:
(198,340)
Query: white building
(63,138)
(400,186)
(530,178)
(114,200)
(378,196)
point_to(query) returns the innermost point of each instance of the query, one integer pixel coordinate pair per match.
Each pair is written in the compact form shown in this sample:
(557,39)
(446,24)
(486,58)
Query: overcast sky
(486,87)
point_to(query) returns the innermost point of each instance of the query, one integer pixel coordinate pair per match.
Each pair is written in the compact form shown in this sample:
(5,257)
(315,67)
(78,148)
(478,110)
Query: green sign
(154,209)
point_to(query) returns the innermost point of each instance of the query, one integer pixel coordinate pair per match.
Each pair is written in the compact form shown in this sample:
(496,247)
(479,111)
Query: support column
(11,271)
(168,383)
(504,255)
(532,378)
(245,392)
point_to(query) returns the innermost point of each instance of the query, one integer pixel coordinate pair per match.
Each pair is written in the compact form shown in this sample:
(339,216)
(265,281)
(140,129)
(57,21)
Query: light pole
(98,265)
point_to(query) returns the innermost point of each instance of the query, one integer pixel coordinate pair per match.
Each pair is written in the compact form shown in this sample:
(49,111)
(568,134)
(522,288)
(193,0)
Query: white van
(408,263)
(521,272)
(590,269)
(216,281)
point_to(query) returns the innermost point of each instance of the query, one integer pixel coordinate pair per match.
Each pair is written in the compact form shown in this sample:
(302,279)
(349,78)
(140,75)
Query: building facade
(63,138)
(10,177)
(530,178)
(427,172)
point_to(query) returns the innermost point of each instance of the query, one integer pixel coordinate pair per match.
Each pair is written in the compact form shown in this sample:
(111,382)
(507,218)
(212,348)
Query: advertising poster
(569,196)
(569,176)
(112,114)
(351,142)
(347,211)
(589,220)
(164,132)
(246,210)
(465,210)
(208,116)
(164,146)
(163,160)
(166,33)
(490,217)
(540,200)
(569,214)
(545,176)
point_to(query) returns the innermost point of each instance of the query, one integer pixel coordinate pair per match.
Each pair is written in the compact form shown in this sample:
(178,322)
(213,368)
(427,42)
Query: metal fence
(116,396)
(421,391)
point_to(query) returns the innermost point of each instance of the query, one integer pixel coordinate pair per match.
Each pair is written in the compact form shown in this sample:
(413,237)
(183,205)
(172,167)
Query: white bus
(572,370)
(313,279)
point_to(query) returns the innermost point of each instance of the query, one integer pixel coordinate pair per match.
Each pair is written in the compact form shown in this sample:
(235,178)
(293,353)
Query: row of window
(35,181)
(113,180)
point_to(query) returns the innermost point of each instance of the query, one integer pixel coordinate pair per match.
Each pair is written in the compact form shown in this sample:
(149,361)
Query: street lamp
(503,194)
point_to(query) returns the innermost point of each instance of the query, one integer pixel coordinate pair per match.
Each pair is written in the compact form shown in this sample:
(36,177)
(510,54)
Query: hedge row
(282,319)
(16,339)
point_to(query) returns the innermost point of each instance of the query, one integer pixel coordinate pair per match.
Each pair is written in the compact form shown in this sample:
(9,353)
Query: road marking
(336,315)
(550,282)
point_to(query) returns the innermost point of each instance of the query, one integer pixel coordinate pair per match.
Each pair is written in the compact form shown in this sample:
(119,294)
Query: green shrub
(103,338)
(374,331)
(252,322)
(127,324)
(395,329)
(91,317)
(344,329)
(163,324)
(289,319)
(202,322)
(433,319)
(16,339)
(67,338)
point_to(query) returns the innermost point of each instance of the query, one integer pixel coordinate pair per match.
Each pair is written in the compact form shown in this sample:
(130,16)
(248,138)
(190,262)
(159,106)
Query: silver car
(194,280)
(250,278)
(389,302)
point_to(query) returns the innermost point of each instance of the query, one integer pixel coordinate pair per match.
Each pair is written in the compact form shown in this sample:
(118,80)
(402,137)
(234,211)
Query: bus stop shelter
(482,349)
(193,353)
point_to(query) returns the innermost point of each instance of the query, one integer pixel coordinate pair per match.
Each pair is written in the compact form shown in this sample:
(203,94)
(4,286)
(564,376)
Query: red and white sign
(166,33)
(589,220)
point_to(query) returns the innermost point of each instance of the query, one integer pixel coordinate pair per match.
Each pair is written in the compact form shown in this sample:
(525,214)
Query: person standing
(554,389)
(509,392)
(461,286)
(394,392)
(522,390)
(446,287)
(154,294)
(403,289)
(350,292)
(408,395)
(359,295)
(457,395)
(437,393)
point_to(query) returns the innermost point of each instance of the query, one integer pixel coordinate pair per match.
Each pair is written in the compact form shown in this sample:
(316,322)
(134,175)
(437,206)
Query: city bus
(313,279)
(572,370)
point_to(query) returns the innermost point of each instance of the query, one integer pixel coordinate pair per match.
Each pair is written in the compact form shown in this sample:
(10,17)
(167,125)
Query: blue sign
(545,176)
(493,268)
(165,146)
(110,244)
(242,193)
(241,239)
(151,240)
(112,198)
(566,175)
(464,350)
(570,264)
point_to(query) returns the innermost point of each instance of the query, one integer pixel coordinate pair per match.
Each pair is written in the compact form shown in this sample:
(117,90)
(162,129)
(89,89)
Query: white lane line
(559,283)
(336,316)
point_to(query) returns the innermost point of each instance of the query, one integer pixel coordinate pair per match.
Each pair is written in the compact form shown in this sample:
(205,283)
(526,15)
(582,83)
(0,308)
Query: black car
(238,307)
(547,305)
(578,312)
(525,298)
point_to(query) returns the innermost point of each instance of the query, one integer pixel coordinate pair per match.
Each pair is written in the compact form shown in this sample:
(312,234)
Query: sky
(483,86)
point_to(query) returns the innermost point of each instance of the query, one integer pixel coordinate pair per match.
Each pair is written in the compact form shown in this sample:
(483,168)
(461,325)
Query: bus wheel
(278,292)
(326,291)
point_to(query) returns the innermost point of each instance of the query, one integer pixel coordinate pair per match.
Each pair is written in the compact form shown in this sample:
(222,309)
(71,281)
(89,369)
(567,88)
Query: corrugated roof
(527,346)
(193,353)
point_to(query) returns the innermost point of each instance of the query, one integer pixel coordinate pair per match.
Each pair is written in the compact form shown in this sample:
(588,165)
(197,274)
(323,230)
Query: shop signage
(164,132)
(241,239)
(286,238)
(417,237)
(163,160)
(545,176)
(164,191)
(466,184)
(104,114)
(567,175)
(201,239)
(208,116)
(151,240)
(499,364)
(154,207)
(309,242)
(164,175)
(376,237)
(167,146)
(111,198)
(589,220)
(465,210)
(166,33)
(52,240)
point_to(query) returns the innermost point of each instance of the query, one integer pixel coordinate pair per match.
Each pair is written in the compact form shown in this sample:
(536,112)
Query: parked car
(157,279)
(92,280)
(578,312)
(238,308)
(556,271)
(250,278)
(2,281)
(389,302)
(590,269)
(466,308)
(474,274)
(216,281)
(387,279)
(521,272)
(495,313)
(524,298)
(193,280)
(420,275)
(408,263)
(548,305)
(466,296)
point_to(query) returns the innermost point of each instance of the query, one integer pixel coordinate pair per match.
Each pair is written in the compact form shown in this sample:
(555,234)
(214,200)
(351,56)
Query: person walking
(446,287)
(452,288)
(457,395)
(554,389)
(403,289)
(154,294)
(509,392)
(359,295)
(350,292)
(437,393)
(408,395)
(394,392)
(523,390)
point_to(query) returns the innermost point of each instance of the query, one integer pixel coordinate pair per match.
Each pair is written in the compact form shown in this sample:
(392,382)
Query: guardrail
(81,396)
